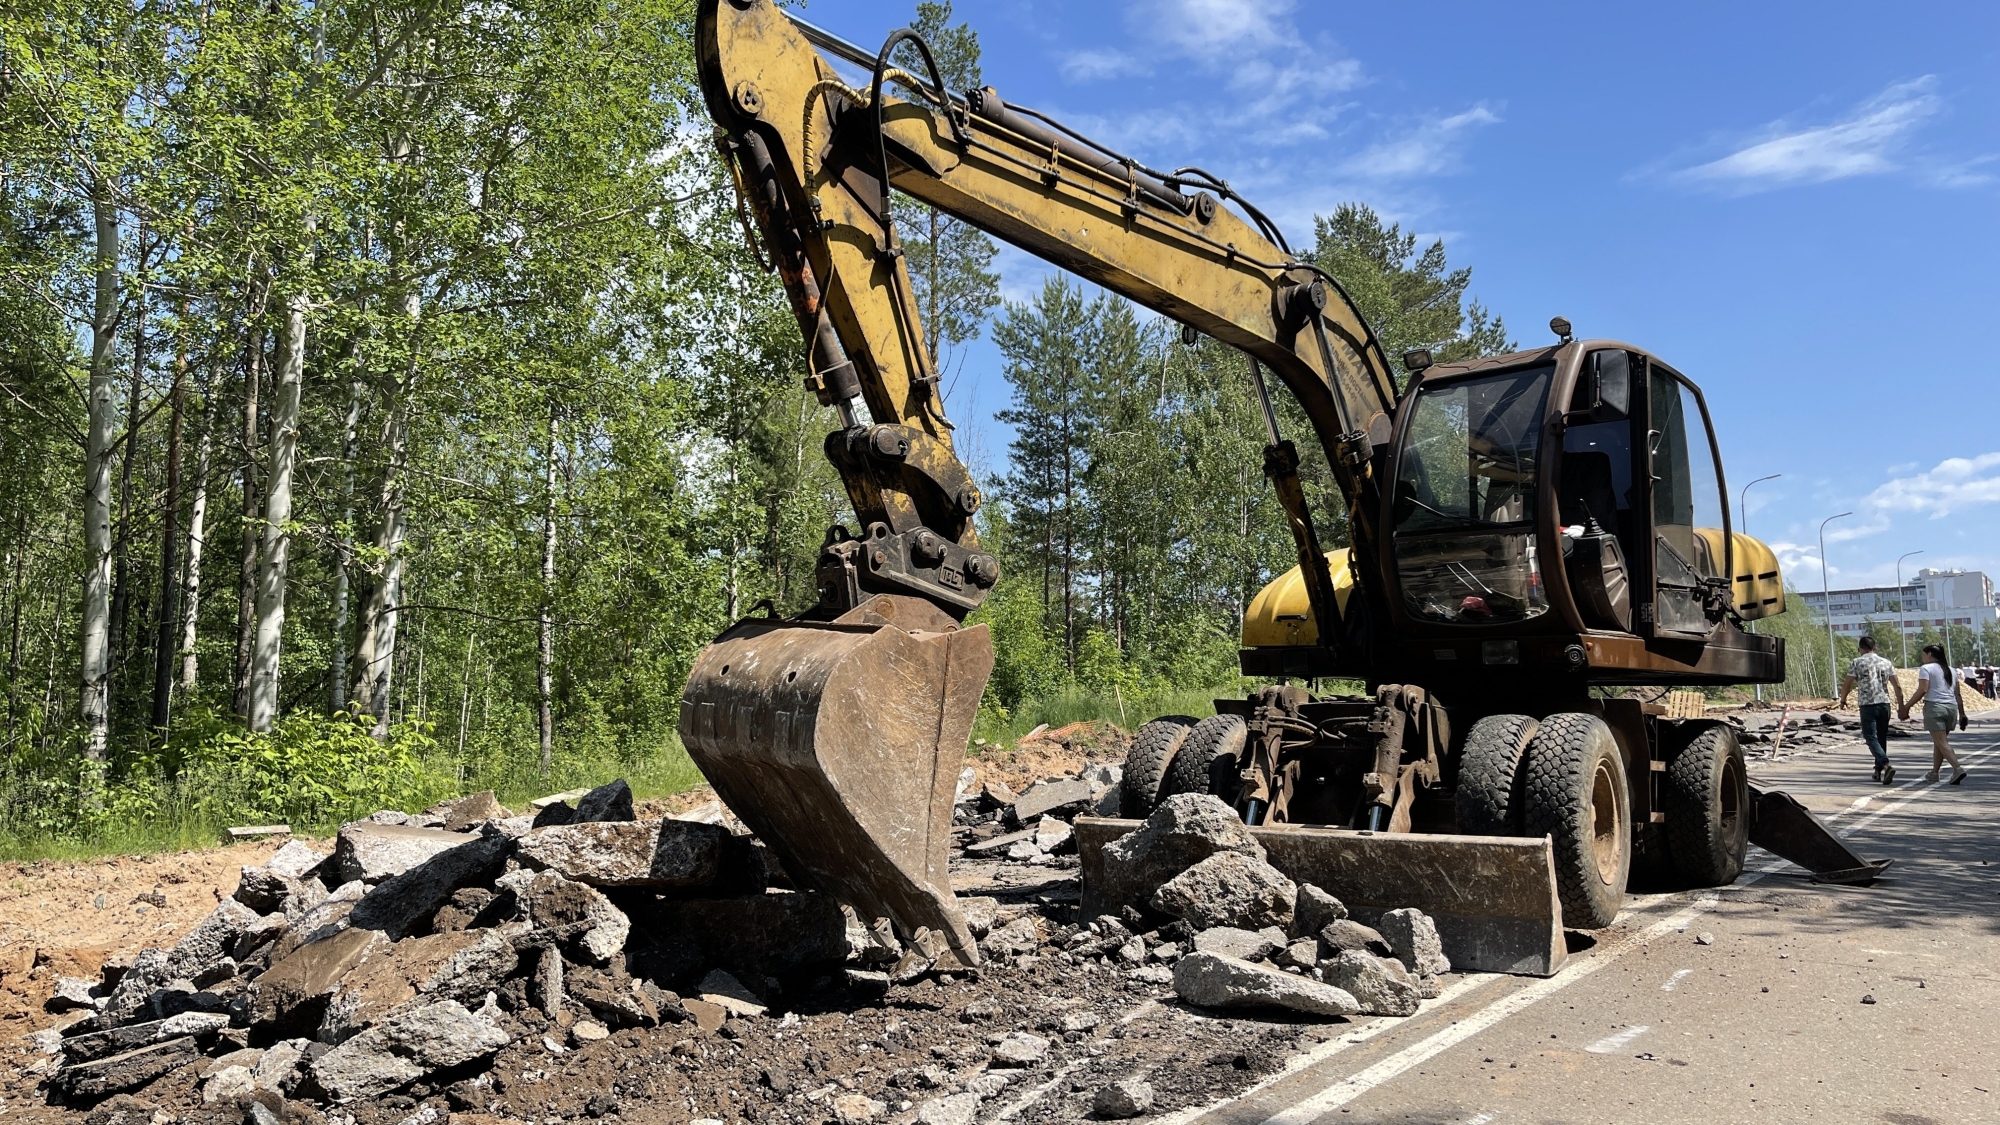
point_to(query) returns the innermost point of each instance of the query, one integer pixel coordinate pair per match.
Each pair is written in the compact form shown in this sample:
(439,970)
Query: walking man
(1872,678)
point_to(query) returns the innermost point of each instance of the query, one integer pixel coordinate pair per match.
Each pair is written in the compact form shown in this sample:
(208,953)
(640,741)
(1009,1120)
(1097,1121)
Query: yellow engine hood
(1281,613)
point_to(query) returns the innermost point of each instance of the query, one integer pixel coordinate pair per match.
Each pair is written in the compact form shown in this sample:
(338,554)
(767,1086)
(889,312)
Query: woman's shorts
(1940,716)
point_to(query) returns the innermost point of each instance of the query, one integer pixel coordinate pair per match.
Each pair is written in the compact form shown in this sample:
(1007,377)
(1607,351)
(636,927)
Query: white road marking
(1674,981)
(1353,1036)
(1482,1119)
(1358,1084)
(1612,1044)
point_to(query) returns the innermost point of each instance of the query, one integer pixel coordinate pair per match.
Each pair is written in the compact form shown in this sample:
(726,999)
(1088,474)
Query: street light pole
(1752,625)
(1745,522)
(1826,604)
(1902,609)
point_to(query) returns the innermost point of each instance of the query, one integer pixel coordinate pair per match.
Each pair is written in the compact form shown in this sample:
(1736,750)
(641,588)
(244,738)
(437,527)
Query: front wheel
(1576,795)
(1146,762)
(1707,799)
(1489,775)
(1210,761)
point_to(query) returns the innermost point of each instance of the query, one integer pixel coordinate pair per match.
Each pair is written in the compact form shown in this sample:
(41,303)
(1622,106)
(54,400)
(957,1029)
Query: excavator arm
(811,154)
(838,735)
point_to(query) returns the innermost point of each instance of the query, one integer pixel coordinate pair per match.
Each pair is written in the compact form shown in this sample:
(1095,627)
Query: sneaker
(1888,775)
(1878,772)
(1931,776)
(1962,775)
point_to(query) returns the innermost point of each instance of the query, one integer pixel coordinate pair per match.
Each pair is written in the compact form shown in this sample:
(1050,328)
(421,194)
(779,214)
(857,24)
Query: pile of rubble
(422,946)
(470,960)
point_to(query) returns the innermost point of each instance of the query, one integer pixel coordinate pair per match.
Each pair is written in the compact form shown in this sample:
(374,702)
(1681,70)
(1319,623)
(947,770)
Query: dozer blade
(1493,898)
(1788,830)
(840,745)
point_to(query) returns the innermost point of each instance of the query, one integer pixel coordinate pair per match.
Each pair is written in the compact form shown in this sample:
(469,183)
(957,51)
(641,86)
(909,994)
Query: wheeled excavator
(1540,543)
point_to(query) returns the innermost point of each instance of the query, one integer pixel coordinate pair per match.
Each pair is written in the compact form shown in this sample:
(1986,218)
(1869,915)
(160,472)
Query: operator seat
(1586,495)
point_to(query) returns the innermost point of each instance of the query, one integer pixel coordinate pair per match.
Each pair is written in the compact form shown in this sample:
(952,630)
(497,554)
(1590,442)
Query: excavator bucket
(1493,898)
(840,745)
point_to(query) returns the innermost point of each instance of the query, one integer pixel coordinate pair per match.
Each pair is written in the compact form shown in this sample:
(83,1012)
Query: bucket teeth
(840,745)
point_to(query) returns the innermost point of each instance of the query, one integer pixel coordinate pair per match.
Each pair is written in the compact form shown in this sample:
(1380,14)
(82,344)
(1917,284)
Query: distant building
(1934,599)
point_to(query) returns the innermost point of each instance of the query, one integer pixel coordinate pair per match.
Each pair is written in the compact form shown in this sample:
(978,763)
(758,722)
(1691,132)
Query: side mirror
(1607,385)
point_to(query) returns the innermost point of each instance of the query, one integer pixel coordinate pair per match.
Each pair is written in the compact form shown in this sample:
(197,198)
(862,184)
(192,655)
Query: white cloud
(1869,141)
(1953,485)
(1096,65)
(1218,29)
(1432,148)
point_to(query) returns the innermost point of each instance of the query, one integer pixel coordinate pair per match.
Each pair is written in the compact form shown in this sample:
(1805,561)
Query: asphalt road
(1806,1003)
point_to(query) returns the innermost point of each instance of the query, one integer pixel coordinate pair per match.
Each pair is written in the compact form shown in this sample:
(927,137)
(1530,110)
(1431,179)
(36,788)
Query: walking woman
(1939,685)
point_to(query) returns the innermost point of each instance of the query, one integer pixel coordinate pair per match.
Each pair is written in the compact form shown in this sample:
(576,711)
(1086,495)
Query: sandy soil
(64,918)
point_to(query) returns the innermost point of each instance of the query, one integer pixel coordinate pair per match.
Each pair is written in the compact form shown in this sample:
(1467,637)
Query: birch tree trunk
(344,547)
(246,585)
(546,657)
(197,536)
(277,552)
(170,535)
(375,656)
(95,702)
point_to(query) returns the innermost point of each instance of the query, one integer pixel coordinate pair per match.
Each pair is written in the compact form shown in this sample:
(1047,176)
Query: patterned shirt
(1871,673)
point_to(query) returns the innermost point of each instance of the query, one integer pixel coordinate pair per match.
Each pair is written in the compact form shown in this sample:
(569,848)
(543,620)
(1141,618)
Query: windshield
(1469,454)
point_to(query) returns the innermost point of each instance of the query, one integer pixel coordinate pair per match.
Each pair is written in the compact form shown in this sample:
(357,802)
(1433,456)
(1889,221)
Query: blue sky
(1795,204)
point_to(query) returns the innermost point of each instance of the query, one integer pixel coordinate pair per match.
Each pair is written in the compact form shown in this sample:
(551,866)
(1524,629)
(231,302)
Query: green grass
(315,781)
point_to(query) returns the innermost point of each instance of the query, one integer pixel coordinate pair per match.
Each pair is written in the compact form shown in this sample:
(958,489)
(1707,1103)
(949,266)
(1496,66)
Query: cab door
(1690,540)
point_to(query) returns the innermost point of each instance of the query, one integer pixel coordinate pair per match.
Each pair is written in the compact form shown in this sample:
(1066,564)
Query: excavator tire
(1708,802)
(1575,794)
(1208,761)
(1146,763)
(1489,775)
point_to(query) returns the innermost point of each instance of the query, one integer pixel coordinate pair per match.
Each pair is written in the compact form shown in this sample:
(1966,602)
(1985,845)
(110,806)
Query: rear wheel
(1146,762)
(1489,777)
(1575,793)
(1707,799)
(1210,760)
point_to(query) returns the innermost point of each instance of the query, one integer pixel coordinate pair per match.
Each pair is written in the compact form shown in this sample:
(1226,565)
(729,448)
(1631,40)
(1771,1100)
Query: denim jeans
(1875,730)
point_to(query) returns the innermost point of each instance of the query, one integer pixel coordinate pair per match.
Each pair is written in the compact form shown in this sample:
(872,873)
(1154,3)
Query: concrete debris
(213,937)
(725,991)
(673,853)
(227,1085)
(102,1044)
(995,795)
(1213,981)
(403,901)
(374,852)
(1127,1097)
(999,845)
(1244,945)
(1413,939)
(578,916)
(539,803)
(470,811)
(1228,889)
(956,1109)
(611,801)
(72,993)
(1313,909)
(295,860)
(1301,954)
(1347,934)
(1381,985)
(1184,830)
(404,1049)
(1019,1049)
(391,978)
(979,913)
(1066,797)
(95,1079)
(1052,835)
(1102,775)
(852,1109)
